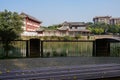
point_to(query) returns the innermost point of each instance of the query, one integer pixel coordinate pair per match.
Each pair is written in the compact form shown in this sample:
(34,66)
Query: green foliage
(102,28)
(63,54)
(98,30)
(67,38)
(78,36)
(115,52)
(114,29)
(55,54)
(46,37)
(88,37)
(53,27)
(53,37)
(47,54)
(59,38)
(10,28)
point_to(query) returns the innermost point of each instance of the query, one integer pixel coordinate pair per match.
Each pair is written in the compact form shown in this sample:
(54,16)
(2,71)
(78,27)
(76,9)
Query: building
(73,29)
(114,21)
(107,20)
(102,19)
(31,24)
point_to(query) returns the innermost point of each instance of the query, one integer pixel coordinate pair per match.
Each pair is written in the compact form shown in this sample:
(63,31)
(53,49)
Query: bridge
(101,45)
(107,36)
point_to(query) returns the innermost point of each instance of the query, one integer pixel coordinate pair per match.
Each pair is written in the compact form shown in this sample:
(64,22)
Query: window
(76,27)
(70,27)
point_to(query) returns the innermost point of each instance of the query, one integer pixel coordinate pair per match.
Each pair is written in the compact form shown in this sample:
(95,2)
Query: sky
(52,12)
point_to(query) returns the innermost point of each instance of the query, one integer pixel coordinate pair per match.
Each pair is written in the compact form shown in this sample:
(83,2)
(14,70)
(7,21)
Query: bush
(53,37)
(115,52)
(88,37)
(63,54)
(48,54)
(67,38)
(60,38)
(77,36)
(55,54)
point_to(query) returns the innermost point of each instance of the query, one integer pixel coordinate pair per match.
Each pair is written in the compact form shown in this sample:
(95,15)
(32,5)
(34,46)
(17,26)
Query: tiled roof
(73,23)
(66,25)
(29,16)
(62,28)
(85,30)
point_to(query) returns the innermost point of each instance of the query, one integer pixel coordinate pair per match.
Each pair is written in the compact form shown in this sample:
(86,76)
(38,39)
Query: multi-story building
(31,24)
(114,21)
(102,19)
(73,28)
(107,20)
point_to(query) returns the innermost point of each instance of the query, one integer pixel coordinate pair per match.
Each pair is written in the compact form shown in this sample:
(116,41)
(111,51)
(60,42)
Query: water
(68,48)
(17,49)
(58,49)
(115,49)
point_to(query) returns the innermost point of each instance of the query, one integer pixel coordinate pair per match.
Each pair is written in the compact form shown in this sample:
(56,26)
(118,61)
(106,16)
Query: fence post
(41,48)
(94,48)
(27,49)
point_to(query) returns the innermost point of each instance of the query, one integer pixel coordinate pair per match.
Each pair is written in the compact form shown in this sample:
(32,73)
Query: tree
(98,28)
(10,28)
(114,29)
(54,27)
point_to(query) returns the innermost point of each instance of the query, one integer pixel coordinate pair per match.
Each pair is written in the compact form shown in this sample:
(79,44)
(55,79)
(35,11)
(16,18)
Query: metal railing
(56,48)
(17,49)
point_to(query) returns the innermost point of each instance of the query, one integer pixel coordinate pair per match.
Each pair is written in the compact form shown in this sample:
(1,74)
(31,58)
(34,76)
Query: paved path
(30,63)
(78,66)
(82,72)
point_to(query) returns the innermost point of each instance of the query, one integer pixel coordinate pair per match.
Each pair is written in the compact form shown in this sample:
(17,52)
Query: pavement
(7,65)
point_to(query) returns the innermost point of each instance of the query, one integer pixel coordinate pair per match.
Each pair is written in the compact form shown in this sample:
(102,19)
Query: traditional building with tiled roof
(31,24)
(73,28)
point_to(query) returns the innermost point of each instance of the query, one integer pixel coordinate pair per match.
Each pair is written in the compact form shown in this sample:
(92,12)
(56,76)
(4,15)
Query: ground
(35,63)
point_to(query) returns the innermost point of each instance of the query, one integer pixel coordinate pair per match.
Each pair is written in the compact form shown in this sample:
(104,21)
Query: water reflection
(68,48)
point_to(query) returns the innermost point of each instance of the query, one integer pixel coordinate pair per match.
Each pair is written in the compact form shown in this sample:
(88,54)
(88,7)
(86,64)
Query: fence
(67,48)
(17,49)
(115,49)
(48,48)
(56,48)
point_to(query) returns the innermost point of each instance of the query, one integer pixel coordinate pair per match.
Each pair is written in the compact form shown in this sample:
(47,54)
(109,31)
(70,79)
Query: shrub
(63,54)
(48,54)
(77,36)
(67,38)
(55,54)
